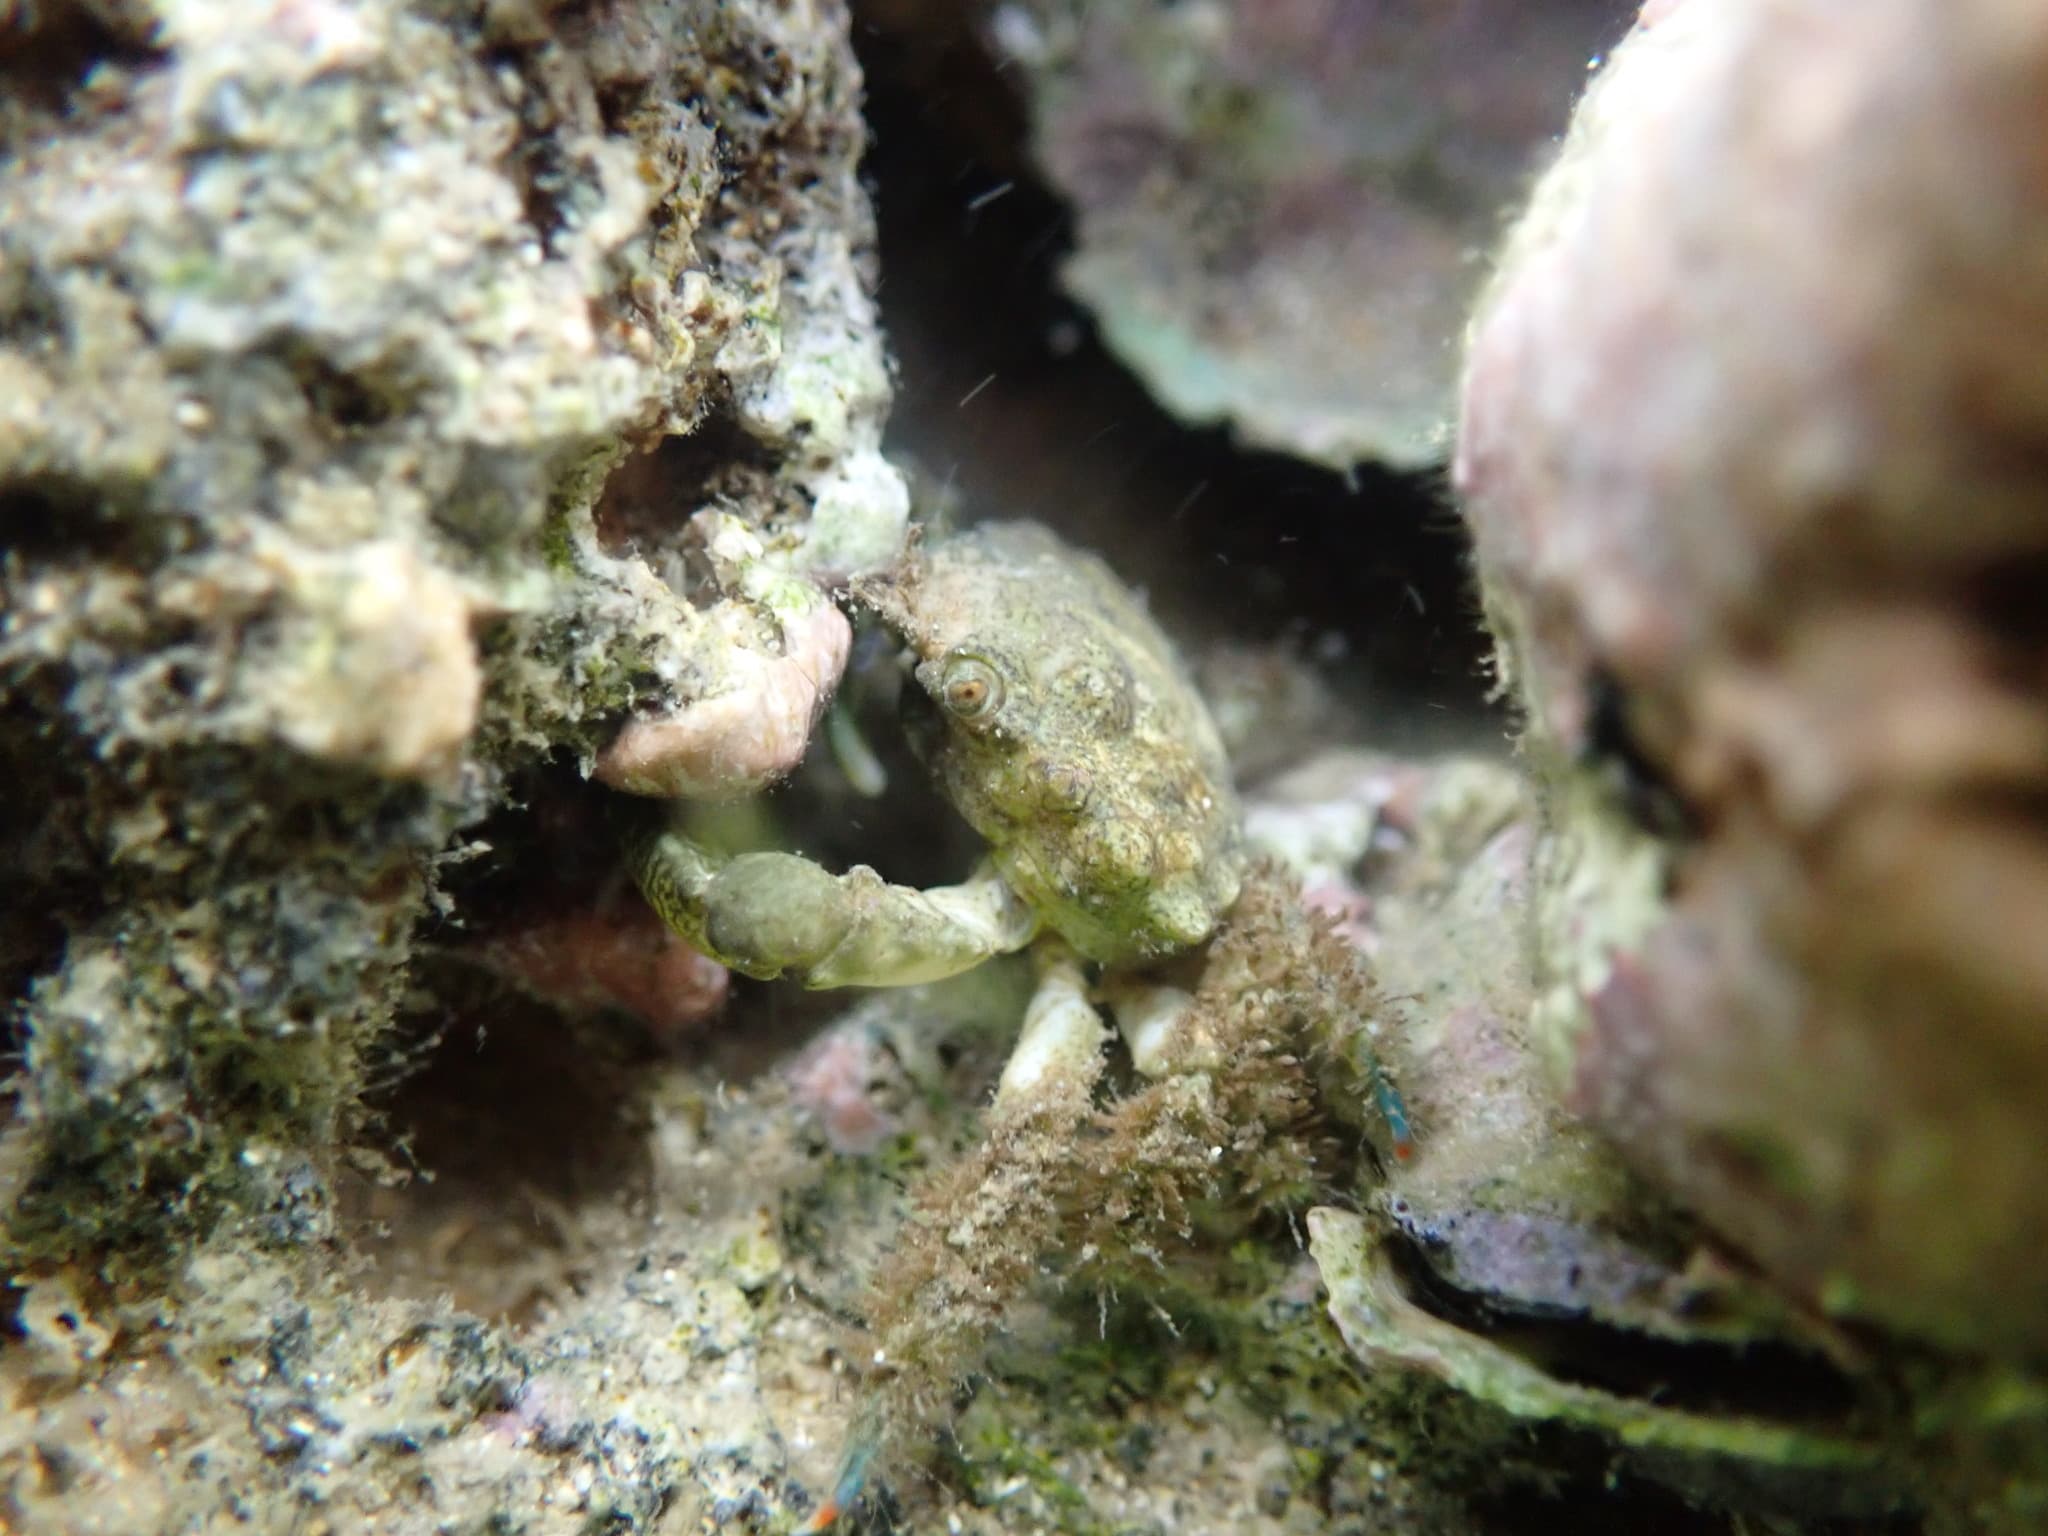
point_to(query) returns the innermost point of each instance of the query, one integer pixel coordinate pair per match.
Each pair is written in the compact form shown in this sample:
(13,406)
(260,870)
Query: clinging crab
(1059,722)
(1057,718)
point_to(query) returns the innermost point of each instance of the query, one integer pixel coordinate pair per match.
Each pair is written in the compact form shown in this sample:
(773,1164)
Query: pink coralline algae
(836,1083)
(618,956)
(745,736)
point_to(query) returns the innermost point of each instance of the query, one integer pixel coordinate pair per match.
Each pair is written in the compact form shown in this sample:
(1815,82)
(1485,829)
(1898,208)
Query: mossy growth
(1132,1194)
(222,997)
(1229,1346)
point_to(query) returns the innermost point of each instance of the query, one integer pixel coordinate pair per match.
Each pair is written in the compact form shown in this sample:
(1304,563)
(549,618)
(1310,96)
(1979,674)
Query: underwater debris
(1720,1459)
(1514,1259)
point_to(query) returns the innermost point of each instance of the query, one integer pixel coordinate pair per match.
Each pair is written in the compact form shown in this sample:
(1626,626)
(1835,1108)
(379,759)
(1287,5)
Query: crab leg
(1042,1100)
(774,914)
(1160,1026)
(1062,1035)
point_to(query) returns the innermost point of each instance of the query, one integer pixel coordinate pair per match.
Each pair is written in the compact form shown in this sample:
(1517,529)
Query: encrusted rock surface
(1751,449)
(1279,204)
(320,323)
(1777,625)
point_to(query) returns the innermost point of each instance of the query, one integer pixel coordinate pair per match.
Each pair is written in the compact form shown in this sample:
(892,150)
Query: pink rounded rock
(745,737)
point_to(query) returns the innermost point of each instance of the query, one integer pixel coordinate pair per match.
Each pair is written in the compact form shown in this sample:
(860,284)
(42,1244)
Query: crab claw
(775,914)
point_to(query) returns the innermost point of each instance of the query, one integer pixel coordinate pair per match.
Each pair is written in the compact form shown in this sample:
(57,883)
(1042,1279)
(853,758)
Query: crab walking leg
(1161,1028)
(1062,1036)
(1042,1100)
(1165,1034)
(774,914)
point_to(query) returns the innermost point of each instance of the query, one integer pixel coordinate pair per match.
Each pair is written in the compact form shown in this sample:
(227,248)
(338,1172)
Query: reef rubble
(428,427)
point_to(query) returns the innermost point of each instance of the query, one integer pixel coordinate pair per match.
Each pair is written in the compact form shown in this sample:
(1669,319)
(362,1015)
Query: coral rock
(1277,202)
(1752,447)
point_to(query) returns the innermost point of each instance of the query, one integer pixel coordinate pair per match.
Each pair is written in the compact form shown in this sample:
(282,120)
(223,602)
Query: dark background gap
(1007,397)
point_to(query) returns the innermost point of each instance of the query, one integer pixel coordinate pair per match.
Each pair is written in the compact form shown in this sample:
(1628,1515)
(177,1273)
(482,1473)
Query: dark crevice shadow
(1008,401)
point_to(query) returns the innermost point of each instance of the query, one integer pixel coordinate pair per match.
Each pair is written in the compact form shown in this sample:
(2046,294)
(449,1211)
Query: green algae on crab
(1065,730)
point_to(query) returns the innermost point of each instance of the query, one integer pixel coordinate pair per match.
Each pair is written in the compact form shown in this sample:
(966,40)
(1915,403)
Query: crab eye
(970,688)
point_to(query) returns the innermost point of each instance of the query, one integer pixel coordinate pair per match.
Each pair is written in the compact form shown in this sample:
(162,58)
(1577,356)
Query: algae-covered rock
(1277,205)
(321,322)
(1750,446)
(1751,449)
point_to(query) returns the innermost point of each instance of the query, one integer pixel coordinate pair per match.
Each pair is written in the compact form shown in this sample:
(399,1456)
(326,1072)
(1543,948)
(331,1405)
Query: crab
(1056,716)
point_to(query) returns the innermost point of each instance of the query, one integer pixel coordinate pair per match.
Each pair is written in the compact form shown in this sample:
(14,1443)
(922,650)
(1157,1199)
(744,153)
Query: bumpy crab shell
(1058,720)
